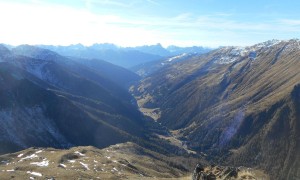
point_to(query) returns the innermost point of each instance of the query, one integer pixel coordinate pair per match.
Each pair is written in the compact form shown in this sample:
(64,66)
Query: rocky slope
(238,103)
(214,172)
(121,161)
(146,69)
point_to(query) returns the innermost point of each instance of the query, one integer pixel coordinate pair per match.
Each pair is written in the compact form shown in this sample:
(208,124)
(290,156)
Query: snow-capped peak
(268,44)
(231,54)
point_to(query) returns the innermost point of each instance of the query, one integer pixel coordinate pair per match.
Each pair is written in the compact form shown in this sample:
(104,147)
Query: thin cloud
(183,17)
(90,3)
(290,22)
(153,2)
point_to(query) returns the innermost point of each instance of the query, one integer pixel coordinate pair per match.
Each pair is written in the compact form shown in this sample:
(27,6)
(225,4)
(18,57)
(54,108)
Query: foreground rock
(227,173)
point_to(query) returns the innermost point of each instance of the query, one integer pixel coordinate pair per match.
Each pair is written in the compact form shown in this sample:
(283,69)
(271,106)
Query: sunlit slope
(234,98)
(121,161)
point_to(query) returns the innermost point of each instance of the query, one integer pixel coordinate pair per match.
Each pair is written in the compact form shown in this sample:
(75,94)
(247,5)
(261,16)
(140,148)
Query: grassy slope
(121,161)
(235,105)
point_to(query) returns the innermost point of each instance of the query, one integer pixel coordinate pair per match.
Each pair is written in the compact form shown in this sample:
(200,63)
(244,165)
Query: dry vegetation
(121,161)
(246,105)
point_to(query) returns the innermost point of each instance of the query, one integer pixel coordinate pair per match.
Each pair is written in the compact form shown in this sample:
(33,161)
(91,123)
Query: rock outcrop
(214,172)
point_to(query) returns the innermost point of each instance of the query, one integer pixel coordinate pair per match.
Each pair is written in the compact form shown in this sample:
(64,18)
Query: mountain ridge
(217,102)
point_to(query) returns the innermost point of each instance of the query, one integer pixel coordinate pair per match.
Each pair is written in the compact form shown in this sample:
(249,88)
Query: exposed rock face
(226,173)
(198,171)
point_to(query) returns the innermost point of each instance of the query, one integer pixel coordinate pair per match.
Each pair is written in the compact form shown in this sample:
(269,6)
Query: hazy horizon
(135,46)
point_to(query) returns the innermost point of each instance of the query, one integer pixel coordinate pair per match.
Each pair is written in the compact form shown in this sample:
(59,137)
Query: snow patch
(232,54)
(34,173)
(293,45)
(80,154)
(115,169)
(20,155)
(32,156)
(226,60)
(85,165)
(268,44)
(63,165)
(38,152)
(41,164)
(177,57)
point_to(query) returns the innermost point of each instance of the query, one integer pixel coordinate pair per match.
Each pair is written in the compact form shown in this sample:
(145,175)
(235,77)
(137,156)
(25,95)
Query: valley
(232,107)
(236,104)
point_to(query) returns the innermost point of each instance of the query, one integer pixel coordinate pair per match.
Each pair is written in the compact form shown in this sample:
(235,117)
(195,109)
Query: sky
(126,23)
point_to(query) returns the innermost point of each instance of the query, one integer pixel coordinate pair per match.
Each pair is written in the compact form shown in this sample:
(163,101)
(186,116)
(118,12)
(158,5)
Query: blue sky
(138,22)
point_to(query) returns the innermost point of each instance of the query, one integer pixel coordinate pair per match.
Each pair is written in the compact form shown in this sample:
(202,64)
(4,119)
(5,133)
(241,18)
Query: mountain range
(123,56)
(233,106)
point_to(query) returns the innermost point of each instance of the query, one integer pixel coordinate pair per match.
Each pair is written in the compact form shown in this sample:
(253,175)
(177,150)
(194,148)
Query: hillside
(34,116)
(238,103)
(48,100)
(121,161)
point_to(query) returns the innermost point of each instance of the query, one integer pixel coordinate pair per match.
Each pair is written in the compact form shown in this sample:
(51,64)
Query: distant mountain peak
(104,46)
(3,48)
(4,51)
(35,52)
